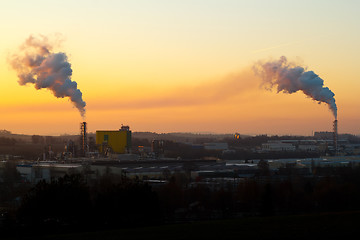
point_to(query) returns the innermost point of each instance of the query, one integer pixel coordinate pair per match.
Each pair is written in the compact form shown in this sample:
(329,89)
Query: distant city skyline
(183,66)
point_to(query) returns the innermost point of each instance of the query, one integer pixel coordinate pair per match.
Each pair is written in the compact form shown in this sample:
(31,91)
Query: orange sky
(234,103)
(184,66)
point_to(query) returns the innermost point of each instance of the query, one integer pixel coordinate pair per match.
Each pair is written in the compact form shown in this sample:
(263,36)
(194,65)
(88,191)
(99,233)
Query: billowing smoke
(289,78)
(36,64)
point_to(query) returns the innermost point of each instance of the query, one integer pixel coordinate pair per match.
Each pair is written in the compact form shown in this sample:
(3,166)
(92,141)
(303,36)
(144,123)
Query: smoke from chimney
(36,64)
(289,78)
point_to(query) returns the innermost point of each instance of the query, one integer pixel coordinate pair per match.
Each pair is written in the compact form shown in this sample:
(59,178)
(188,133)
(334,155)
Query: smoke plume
(37,64)
(289,78)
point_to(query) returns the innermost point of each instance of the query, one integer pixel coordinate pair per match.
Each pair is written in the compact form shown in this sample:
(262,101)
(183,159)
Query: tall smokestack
(37,64)
(83,138)
(290,78)
(335,132)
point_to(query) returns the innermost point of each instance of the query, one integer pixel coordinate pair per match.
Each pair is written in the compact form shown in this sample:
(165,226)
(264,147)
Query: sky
(183,66)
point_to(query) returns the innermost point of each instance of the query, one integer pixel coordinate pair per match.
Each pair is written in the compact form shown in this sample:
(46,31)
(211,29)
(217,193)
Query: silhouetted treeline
(37,139)
(4,141)
(62,201)
(115,201)
(30,151)
(10,184)
(69,203)
(265,196)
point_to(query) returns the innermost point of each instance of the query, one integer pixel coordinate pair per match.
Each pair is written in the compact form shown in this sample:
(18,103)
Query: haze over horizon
(183,66)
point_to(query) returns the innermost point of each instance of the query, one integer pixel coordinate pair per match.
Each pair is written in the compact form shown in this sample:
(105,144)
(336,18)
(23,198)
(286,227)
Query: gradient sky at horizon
(184,66)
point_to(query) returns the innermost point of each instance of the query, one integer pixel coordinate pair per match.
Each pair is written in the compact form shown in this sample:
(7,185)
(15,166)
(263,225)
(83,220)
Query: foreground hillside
(316,226)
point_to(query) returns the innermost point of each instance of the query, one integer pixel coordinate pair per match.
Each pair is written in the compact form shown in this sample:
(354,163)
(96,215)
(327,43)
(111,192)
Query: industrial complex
(112,150)
(191,177)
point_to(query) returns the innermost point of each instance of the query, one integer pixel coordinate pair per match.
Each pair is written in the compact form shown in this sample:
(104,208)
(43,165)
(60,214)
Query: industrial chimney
(335,129)
(83,138)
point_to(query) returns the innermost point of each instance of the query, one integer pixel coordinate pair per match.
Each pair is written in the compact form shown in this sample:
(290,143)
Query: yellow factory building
(118,141)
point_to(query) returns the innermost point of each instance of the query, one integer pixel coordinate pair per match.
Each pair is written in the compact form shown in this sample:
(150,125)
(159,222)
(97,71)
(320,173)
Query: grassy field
(316,226)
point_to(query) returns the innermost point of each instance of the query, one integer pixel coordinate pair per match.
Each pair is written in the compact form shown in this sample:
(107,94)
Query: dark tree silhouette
(62,201)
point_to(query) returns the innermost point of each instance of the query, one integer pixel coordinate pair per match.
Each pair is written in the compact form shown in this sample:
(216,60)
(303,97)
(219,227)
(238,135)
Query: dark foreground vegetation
(265,204)
(343,225)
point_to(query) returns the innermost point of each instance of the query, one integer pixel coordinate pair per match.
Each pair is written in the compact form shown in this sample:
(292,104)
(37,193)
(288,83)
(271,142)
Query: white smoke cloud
(289,78)
(36,64)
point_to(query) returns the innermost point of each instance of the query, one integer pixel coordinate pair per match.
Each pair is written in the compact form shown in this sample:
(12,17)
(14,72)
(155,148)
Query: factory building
(118,141)
(216,146)
(277,146)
